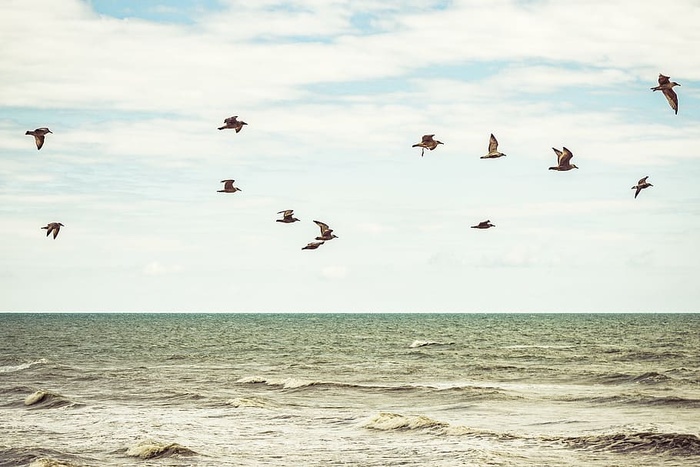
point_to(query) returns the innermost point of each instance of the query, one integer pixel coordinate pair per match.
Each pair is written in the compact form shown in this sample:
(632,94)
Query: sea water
(349,389)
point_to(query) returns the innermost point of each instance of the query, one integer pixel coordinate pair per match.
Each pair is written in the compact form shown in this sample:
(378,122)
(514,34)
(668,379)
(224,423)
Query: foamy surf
(22,366)
(422,343)
(149,449)
(46,399)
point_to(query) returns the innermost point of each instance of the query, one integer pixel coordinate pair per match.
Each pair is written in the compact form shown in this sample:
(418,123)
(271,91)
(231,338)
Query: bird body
(228,187)
(483,225)
(326,232)
(53,227)
(39,134)
(233,122)
(287,216)
(493,149)
(641,184)
(563,160)
(666,87)
(427,142)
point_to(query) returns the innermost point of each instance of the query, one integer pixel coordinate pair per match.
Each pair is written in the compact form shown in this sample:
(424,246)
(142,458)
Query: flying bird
(641,184)
(427,142)
(53,227)
(326,232)
(563,160)
(493,149)
(233,122)
(288,216)
(312,245)
(228,187)
(483,225)
(39,135)
(666,86)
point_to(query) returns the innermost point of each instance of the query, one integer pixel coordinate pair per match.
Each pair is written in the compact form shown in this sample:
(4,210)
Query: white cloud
(155,268)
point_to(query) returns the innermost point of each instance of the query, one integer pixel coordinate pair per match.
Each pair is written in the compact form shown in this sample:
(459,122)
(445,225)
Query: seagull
(233,122)
(312,245)
(53,227)
(288,216)
(228,187)
(483,225)
(326,232)
(493,149)
(666,86)
(564,160)
(427,142)
(38,135)
(641,184)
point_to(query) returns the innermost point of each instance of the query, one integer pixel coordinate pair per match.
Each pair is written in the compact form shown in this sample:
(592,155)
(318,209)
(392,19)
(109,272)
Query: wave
(39,457)
(650,377)
(640,399)
(46,400)
(254,402)
(643,442)
(49,462)
(421,343)
(22,366)
(388,421)
(149,449)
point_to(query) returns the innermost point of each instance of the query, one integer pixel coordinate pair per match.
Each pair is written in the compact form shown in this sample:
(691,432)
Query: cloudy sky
(334,94)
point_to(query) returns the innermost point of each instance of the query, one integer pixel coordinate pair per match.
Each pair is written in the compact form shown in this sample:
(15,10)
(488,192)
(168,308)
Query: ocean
(349,389)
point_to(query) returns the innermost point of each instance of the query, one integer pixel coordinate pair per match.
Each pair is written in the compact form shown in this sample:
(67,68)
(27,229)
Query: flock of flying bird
(427,142)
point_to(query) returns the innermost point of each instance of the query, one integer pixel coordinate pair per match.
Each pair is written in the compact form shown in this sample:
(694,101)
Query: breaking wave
(149,449)
(22,366)
(421,343)
(388,421)
(46,400)
(253,402)
(644,442)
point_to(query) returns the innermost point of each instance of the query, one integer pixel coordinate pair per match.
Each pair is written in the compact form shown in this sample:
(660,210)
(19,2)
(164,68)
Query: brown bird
(53,227)
(563,160)
(493,149)
(312,245)
(326,232)
(233,122)
(287,216)
(483,225)
(39,135)
(666,86)
(228,187)
(641,184)
(427,143)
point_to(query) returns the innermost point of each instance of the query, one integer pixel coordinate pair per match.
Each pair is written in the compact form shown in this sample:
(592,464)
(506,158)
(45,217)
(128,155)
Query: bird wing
(324,227)
(639,188)
(287,212)
(565,158)
(672,98)
(663,79)
(493,144)
(228,184)
(559,155)
(56,228)
(39,139)
(642,180)
(427,139)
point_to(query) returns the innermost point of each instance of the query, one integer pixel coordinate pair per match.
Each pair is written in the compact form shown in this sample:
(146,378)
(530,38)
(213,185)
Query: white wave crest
(422,343)
(48,462)
(149,449)
(254,402)
(386,421)
(22,366)
(285,383)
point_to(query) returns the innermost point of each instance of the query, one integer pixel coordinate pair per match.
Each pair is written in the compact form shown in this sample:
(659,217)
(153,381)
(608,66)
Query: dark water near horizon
(349,389)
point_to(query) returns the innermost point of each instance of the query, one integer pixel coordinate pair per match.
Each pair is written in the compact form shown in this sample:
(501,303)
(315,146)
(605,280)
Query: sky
(335,93)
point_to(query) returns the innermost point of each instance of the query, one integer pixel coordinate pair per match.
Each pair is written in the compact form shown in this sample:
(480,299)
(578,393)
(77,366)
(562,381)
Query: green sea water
(349,389)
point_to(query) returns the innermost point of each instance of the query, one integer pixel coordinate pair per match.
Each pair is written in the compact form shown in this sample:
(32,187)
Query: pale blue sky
(335,94)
